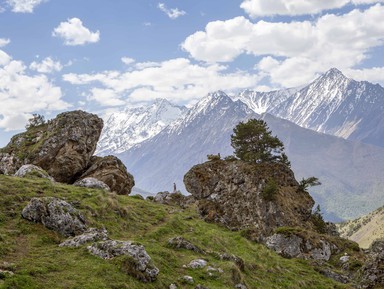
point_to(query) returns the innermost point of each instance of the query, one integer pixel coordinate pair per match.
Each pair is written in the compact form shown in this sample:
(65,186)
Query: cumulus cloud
(74,33)
(127,60)
(22,94)
(4,42)
(24,6)
(342,41)
(172,13)
(47,65)
(178,79)
(261,8)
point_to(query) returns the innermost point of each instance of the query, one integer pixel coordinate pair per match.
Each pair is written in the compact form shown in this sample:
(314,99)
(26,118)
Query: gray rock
(55,214)
(233,258)
(27,171)
(92,183)
(188,279)
(344,259)
(146,271)
(213,269)
(199,286)
(111,171)
(372,273)
(294,246)
(197,264)
(176,198)
(240,286)
(172,286)
(91,235)
(181,243)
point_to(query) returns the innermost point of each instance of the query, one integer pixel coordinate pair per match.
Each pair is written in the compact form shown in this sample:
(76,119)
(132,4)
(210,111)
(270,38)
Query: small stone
(344,259)
(91,235)
(181,243)
(92,183)
(198,263)
(240,286)
(172,286)
(188,279)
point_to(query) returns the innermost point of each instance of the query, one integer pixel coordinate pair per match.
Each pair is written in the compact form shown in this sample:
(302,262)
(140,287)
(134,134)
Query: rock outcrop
(63,146)
(372,273)
(239,195)
(295,246)
(138,263)
(91,235)
(32,171)
(176,198)
(92,183)
(111,171)
(55,214)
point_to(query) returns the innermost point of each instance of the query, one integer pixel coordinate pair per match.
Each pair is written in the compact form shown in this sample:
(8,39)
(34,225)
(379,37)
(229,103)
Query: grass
(38,261)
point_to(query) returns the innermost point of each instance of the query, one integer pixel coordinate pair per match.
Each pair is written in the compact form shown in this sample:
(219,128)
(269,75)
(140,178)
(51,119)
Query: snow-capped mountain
(332,104)
(164,159)
(261,102)
(131,126)
(352,173)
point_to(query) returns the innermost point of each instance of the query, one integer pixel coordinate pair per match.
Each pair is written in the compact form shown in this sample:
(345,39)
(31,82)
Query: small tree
(35,120)
(309,182)
(253,142)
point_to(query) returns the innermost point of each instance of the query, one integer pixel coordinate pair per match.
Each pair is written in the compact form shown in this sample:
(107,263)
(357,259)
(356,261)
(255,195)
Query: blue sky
(101,55)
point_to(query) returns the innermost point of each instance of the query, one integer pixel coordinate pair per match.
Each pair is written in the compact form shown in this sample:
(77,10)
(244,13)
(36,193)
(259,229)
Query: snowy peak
(131,126)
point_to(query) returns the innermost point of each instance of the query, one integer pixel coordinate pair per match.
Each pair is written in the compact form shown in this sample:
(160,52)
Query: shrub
(270,190)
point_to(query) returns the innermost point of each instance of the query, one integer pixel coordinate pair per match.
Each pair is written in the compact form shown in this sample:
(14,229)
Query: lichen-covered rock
(243,196)
(197,264)
(295,246)
(92,183)
(30,171)
(63,146)
(181,243)
(55,214)
(91,235)
(111,171)
(139,262)
(177,199)
(372,273)
(187,279)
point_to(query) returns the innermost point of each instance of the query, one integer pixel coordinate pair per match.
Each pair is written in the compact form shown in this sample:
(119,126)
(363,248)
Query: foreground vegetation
(31,251)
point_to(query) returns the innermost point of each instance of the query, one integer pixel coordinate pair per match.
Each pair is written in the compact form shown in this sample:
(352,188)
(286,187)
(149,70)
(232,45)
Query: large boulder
(240,195)
(55,214)
(32,171)
(296,246)
(63,146)
(111,171)
(138,262)
(92,183)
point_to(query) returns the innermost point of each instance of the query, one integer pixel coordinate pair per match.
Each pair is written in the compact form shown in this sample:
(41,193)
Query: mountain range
(316,117)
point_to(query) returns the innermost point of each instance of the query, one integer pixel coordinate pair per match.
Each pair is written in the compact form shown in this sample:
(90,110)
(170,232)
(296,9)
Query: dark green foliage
(270,190)
(36,120)
(230,158)
(318,221)
(254,143)
(308,182)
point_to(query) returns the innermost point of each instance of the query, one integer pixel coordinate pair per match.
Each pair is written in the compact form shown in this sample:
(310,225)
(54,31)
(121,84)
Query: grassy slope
(40,263)
(364,230)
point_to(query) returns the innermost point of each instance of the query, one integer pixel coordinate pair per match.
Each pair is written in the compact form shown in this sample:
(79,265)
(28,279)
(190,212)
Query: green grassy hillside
(364,230)
(31,251)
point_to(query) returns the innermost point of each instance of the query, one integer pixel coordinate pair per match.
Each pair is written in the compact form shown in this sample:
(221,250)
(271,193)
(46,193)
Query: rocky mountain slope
(352,173)
(332,104)
(131,126)
(178,242)
(364,230)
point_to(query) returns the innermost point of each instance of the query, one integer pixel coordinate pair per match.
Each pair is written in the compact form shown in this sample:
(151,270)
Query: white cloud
(4,42)
(147,64)
(127,60)
(22,94)
(176,79)
(47,65)
(172,13)
(374,74)
(74,33)
(261,8)
(24,6)
(342,41)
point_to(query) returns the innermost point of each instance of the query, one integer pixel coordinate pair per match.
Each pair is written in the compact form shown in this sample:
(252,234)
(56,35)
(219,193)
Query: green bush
(270,190)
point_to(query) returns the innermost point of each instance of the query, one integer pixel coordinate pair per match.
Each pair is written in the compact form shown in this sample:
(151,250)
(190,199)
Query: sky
(101,56)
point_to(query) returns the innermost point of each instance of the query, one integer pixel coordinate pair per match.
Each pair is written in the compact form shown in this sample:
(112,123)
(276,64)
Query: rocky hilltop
(64,147)
(242,195)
